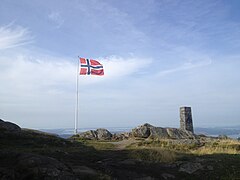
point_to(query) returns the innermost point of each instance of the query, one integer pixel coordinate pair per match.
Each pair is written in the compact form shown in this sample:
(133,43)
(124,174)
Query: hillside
(29,154)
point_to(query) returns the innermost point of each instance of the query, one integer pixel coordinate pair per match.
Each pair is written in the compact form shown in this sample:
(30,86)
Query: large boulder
(90,135)
(142,131)
(8,126)
(175,133)
(103,134)
(32,166)
(99,134)
(121,136)
(149,131)
(158,132)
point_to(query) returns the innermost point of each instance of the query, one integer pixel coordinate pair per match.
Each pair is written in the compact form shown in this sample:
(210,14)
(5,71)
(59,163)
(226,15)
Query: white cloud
(51,72)
(118,66)
(12,36)
(25,71)
(56,18)
(185,66)
(44,87)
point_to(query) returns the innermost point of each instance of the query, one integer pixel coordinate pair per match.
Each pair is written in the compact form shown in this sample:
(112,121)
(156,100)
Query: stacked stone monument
(186,119)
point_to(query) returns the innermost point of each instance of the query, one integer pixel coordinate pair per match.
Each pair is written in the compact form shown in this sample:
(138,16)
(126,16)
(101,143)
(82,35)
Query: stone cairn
(186,119)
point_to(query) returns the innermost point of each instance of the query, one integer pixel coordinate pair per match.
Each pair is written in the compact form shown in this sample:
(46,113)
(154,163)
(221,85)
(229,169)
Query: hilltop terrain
(30,154)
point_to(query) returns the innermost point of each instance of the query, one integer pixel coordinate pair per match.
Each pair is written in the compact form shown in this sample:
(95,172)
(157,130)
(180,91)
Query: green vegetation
(227,146)
(153,155)
(98,145)
(218,158)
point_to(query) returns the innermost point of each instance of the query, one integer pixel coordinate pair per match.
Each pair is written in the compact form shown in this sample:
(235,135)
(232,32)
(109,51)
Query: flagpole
(76,107)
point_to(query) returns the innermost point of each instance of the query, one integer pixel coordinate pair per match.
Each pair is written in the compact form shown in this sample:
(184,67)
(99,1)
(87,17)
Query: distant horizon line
(235,126)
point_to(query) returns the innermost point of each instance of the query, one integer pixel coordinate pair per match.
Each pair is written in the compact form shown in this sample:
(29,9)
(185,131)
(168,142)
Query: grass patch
(165,144)
(228,146)
(153,155)
(98,145)
(219,147)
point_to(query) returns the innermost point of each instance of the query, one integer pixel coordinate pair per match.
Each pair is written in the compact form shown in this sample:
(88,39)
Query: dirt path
(120,145)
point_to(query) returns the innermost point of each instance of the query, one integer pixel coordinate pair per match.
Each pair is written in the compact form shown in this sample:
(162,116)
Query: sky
(158,55)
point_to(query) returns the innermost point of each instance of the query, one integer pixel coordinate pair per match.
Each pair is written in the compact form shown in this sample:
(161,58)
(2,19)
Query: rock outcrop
(143,131)
(9,127)
(99,134)
(35,155)
(32,166)
(121,136)
(149,131)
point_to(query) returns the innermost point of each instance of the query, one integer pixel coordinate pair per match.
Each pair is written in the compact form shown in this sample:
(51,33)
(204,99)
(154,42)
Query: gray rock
(99,134)
(190,167)
(142,131)
(8,126)
(158,132)
(103,134)
(167,176)
(35,166)
(149,131)
(31,166)
(84,171)
(91,135)
(121,136)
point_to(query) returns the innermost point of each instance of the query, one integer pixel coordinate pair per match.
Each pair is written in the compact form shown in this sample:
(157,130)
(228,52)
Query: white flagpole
(76,108)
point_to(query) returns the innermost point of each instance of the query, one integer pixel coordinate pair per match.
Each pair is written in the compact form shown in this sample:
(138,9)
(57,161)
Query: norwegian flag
(90,67)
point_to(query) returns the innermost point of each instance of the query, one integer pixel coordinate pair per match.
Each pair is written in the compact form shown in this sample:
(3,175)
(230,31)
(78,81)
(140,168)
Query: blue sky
(158,55)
